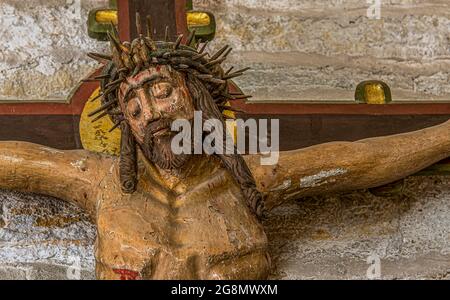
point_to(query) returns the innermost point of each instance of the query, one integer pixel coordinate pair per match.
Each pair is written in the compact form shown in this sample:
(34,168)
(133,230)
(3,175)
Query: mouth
(160,131)
(159,128)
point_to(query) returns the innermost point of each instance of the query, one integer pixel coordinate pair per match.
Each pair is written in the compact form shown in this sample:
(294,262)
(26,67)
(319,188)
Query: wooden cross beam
(170,13)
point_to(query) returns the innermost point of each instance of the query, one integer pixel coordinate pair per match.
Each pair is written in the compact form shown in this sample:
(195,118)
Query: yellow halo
(95,136)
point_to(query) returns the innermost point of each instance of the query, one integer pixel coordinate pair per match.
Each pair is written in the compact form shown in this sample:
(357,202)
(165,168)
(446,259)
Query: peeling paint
(79,164)
(50,150)
(284,186)
(11,158)
(320,178)
(44,163)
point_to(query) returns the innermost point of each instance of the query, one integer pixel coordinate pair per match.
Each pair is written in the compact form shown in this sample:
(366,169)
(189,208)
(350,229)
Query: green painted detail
(360,93)
(113,4)
(204,33)
(189,5)
(97,30)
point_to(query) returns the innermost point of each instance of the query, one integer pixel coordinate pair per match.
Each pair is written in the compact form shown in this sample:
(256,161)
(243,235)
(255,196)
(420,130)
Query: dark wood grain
(56,131)
(299,131)
(162,13)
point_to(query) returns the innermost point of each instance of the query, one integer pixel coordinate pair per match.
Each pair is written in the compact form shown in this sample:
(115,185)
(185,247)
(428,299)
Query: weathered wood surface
(335,166)
(344,166)
(154,233)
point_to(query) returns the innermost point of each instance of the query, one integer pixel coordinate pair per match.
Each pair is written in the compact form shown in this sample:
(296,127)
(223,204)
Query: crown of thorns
(128,59)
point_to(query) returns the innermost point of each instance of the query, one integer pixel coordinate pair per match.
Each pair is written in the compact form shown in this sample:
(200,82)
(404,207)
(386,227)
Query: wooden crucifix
(167,215)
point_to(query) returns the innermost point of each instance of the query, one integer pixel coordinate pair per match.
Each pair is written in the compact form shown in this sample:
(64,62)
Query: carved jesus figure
(165,216)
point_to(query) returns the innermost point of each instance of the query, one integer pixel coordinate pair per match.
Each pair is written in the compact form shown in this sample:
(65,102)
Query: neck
(172,177)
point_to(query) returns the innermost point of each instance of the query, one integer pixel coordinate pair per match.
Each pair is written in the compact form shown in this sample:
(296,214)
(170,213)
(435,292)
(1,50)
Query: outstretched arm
(341,166)
(72,175)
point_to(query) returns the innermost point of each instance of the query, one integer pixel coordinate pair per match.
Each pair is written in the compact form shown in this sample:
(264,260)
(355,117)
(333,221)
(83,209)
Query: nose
(155,115)
(150,110)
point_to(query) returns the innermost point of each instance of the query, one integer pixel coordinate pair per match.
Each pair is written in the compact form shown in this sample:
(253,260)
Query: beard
(157,148)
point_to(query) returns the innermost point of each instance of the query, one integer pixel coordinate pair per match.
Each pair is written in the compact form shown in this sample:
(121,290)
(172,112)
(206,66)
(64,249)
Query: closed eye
(161,90)
(134,108)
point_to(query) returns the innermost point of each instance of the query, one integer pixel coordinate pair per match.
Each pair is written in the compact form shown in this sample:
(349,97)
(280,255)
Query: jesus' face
(151,101)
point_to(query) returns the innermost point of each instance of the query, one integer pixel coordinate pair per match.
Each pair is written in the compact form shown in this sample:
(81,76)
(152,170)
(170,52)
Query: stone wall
(298,49)
(335,236)
(321,49)
(44,238)
(43,48)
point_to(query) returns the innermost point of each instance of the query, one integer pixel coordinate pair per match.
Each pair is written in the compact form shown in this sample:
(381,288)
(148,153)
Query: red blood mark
(158,68)
(127,274)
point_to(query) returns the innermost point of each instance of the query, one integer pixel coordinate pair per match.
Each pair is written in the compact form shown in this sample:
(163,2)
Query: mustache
(157,148)
(156,126)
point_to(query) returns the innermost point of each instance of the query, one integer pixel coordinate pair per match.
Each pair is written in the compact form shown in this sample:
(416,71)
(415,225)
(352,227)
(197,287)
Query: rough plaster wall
(332,237)
(41,237)
(321,49)
(43,47)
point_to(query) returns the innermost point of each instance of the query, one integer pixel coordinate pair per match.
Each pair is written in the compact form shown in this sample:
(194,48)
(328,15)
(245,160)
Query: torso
(196,227)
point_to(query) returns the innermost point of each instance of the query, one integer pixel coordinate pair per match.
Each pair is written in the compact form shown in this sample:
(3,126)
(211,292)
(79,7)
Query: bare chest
(159,232)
